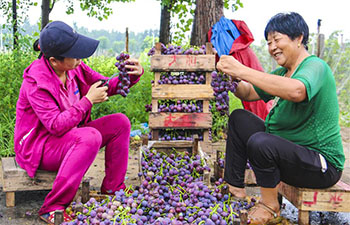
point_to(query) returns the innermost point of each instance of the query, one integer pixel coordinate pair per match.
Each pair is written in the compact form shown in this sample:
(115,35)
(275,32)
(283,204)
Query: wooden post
(303,217)
(127,40)
(10,199)
(58,217)
(195,144)
(85,190)
(243,217)
(320,40)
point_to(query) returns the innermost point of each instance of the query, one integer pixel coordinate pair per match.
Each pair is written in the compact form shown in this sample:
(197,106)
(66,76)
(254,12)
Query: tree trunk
(14,18)
(164,32)
(207,13)
(45,12)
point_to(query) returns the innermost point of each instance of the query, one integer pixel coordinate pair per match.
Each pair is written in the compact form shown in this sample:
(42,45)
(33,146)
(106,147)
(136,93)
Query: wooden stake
(58,217)
(127,40)
(85,190)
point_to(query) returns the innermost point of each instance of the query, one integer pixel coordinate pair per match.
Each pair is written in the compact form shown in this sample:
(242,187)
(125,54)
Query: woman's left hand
(135,69)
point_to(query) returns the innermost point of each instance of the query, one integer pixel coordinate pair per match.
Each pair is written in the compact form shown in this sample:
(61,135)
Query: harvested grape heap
(172,192)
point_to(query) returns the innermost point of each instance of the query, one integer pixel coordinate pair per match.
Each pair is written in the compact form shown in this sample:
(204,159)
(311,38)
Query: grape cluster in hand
(222,84)
(123,86)
(178,50)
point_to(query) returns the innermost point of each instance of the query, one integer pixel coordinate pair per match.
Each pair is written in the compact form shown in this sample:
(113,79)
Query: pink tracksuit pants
(73,153)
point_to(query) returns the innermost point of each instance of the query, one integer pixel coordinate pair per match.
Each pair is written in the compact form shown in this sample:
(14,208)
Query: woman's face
(282,48)
(70,63)
(66,64)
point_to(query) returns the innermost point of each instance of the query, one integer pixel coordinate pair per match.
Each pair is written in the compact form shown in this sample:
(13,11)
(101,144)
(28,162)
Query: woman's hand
(229,65)
(97,94)
(135,69)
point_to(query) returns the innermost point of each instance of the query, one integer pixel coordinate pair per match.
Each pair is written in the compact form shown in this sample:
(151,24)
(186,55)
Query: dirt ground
(28,203)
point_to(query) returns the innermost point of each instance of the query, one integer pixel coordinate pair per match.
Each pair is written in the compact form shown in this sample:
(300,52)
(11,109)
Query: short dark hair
(291,24)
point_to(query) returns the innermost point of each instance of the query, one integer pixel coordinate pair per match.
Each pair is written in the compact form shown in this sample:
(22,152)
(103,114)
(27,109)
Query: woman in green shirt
(299,143)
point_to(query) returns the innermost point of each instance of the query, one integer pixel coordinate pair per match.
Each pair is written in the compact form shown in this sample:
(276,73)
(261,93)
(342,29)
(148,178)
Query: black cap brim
(82,48)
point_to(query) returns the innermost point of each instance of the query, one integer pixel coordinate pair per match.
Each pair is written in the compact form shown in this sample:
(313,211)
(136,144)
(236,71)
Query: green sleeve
(312,75)
(264,95)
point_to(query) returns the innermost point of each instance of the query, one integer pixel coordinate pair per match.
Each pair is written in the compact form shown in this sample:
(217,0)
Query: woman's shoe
(49,218)
(260,221)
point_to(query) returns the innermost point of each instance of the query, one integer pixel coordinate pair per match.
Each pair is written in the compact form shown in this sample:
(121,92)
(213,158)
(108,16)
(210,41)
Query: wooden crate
(17,179)
(334,199)
(204,92)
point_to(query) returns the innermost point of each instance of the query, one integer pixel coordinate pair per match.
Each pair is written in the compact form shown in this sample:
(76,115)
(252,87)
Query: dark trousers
(272,158)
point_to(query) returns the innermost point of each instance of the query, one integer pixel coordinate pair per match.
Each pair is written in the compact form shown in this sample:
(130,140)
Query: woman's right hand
(97,94)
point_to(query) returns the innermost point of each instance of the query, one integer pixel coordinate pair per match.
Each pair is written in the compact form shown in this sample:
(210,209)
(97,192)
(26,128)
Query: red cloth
(243,53)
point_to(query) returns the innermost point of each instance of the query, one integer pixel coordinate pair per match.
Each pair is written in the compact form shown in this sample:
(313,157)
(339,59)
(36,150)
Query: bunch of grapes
(148,107)
(123,86)
(179,134)
(221,160)
(182,78)
(222,84)
(178,50)
(172,192)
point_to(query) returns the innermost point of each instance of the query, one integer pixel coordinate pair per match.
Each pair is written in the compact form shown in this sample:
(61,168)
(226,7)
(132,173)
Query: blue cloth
(144,129)
(224,33)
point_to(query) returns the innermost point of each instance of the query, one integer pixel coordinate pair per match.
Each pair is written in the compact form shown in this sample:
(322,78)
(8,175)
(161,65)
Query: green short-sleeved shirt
(313,123)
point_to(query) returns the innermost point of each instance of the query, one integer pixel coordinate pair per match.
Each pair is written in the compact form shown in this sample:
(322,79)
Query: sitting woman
(53,128)
(299,143)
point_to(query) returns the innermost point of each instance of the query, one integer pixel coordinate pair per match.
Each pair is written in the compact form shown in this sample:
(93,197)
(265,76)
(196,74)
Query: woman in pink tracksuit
(53,129)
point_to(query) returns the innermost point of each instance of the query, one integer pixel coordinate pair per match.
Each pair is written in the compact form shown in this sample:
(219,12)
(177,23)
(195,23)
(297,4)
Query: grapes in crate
(182,78)
(184,106)
(179,134)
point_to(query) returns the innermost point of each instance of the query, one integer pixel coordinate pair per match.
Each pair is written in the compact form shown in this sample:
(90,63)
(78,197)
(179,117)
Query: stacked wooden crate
(199,92)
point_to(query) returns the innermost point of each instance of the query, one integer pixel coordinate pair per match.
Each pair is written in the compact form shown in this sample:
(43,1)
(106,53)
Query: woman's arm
(287,88)
(57,122)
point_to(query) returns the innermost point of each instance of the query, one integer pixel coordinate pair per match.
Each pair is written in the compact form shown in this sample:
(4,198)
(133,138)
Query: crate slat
(178,63)
(180,120)
(183,92)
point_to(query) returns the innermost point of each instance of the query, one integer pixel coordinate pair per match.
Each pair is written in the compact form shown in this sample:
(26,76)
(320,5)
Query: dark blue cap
(59,39)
